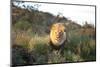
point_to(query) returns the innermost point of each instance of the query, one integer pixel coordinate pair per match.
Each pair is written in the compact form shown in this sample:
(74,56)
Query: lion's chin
(58,42)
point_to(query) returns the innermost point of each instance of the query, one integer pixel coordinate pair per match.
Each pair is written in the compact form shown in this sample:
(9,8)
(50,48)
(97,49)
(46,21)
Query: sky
(77,13)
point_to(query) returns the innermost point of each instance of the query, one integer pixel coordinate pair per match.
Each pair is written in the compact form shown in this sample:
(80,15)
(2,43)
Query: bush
(82,45)
(22,25)
(55,57)
(39,48)
(21,38)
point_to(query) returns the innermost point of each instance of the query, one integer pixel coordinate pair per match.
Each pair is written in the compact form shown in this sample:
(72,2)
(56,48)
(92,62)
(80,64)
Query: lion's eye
(61,33)
(55,32)
(64,30)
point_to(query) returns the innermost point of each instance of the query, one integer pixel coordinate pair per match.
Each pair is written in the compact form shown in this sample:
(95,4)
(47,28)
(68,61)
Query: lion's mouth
(58,38)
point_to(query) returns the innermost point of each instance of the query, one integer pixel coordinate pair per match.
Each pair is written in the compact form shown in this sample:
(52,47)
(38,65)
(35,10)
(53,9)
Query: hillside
(38,18)
(30,38)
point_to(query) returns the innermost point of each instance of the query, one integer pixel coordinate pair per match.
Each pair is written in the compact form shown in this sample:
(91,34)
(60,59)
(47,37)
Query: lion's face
(57,34)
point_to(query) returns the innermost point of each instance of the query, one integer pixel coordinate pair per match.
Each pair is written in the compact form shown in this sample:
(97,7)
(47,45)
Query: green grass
(22,25)
(80,47)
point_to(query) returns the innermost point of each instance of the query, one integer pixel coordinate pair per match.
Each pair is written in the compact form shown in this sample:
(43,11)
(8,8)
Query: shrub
(39,48)
(22,25)
(21,38)
(82,45)
(56,57)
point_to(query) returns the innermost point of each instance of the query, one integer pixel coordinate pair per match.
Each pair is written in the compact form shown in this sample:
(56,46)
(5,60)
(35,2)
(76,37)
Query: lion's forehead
(58,27)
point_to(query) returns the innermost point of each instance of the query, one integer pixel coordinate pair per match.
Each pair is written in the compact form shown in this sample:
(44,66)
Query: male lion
(57,36)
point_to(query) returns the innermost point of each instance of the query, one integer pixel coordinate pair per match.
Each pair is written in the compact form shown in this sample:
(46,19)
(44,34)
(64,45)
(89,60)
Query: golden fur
(58,34)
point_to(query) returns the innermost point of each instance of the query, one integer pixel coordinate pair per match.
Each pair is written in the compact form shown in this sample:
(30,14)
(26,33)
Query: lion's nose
(59,35)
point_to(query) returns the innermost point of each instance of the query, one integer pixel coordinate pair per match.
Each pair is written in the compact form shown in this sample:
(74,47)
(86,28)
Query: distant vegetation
(30,37)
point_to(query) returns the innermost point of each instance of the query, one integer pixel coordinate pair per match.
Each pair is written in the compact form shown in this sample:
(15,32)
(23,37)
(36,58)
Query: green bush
(82,45)
(56,57)
(22,25)
(39,48)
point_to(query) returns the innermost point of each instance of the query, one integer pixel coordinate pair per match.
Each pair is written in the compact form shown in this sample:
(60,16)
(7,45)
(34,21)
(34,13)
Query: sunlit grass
(80,47)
